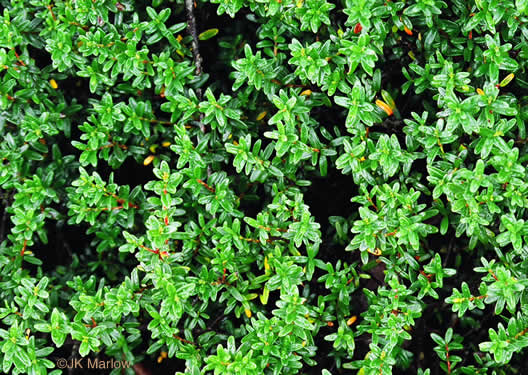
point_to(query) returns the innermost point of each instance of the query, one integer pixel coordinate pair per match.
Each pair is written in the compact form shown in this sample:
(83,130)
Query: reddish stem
(212,190)
(447,359)
(23,248)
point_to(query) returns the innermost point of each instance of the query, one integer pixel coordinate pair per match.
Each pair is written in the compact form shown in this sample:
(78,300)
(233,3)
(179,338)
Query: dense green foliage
(411,114)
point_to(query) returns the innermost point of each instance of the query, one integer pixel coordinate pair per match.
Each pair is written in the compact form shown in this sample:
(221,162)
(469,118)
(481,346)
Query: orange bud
(480,92)
(376,252)
(407,31)
(352,320)
(148,160)
(385,107)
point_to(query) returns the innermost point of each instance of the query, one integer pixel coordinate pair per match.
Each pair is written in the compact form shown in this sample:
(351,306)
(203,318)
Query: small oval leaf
(208,34)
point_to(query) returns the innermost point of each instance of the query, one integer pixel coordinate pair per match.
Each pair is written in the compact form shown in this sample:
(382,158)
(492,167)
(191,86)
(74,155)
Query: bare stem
(191,26)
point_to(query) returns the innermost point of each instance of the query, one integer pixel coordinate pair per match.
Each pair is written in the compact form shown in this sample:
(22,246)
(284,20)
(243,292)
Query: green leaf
(208,34)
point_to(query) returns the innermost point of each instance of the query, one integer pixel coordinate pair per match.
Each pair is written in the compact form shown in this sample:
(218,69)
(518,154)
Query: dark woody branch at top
(191,26)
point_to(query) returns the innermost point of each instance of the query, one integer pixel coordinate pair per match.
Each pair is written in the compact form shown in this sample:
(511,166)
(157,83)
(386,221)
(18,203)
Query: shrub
(264,187)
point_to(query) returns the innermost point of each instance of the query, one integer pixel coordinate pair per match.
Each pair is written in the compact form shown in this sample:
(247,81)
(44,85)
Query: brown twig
(191,26)
(211,189)
(51,11)
(183,340)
